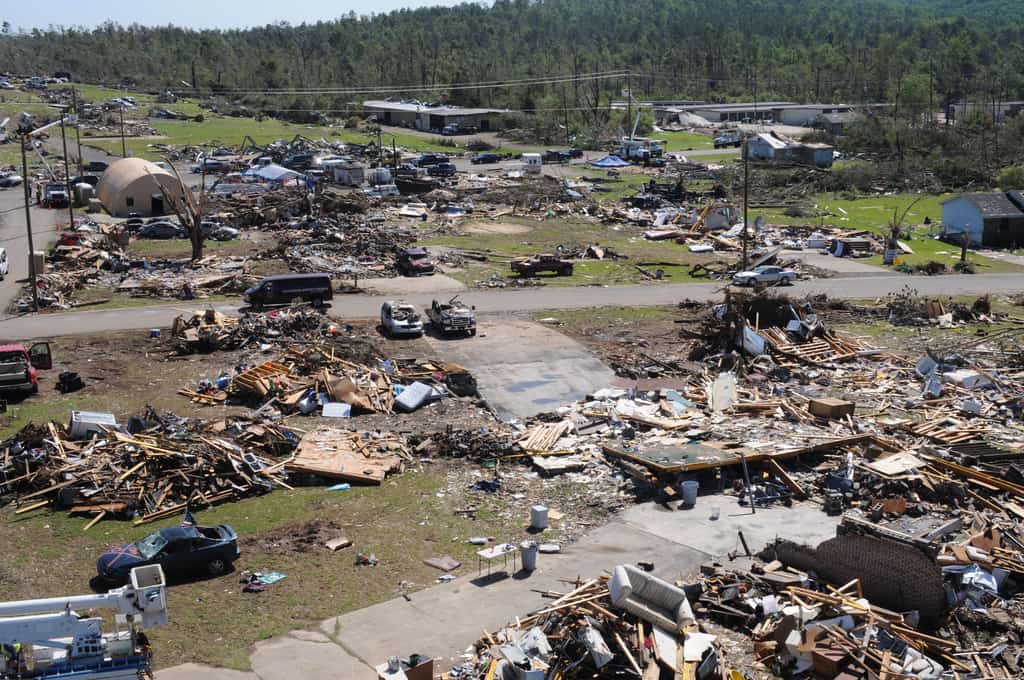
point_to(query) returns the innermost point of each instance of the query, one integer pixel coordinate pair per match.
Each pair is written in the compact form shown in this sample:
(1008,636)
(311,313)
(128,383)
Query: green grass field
(546,235)
(684,141)
(875,213)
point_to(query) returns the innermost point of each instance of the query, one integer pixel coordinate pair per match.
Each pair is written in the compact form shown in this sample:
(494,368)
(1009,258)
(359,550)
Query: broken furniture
(652,599)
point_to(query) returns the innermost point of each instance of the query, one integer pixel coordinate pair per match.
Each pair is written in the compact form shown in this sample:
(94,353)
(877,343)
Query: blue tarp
(609,162)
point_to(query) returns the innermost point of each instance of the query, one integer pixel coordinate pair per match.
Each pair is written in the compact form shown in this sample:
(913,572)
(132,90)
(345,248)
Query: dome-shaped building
(132,185)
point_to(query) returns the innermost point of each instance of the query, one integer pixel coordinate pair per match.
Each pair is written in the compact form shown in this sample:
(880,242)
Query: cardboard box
(827,407)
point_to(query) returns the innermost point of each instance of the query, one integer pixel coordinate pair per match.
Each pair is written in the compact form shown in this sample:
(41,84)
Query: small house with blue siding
(990,219)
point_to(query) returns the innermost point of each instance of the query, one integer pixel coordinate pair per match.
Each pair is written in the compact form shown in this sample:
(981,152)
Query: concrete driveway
(524,368)
(443,620)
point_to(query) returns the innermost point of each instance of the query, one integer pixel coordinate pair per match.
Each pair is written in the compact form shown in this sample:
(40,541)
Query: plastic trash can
(690,493)
(528,555)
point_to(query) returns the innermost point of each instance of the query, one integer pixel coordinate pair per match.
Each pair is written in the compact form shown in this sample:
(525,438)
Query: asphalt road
(14,237)
(497,302)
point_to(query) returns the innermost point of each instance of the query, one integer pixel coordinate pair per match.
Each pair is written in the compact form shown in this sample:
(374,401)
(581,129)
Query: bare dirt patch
(497,228)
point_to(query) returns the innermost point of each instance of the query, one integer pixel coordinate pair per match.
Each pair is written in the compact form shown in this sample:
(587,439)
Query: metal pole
(746,477)
(28,224)
(67,173)
(746,200)
(78,136)
(124,147)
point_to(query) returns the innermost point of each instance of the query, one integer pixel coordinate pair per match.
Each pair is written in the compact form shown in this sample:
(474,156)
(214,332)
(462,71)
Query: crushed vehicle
(765,275)
(400,319)
(415,262)
(544,262)
(180,551)
(19,367)
(453,316)
(215,231)
(211,165)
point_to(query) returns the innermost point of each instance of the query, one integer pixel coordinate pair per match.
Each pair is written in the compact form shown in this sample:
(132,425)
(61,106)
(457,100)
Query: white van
(4,266)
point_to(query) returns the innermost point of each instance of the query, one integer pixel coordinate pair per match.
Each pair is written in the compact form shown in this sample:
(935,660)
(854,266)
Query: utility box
(84,423)
(833,409)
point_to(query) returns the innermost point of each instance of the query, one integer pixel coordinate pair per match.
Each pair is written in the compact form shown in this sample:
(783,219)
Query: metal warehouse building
(421,116)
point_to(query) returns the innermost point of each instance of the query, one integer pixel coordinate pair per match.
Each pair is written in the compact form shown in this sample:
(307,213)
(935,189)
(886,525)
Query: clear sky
(192,13)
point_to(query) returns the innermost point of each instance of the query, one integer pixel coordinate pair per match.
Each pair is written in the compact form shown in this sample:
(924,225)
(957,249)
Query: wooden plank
(790,483)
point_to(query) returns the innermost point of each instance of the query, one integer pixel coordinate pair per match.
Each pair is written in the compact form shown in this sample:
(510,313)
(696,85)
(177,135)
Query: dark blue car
(179,550)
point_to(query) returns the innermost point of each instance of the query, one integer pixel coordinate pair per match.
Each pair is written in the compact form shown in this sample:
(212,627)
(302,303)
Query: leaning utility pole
(28,221)
(67,172)
(746,201)
(78,136)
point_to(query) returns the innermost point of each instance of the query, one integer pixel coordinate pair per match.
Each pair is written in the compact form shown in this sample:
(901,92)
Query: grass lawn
(874,213)
(684,141)
(403,522)
(626,184)
(546,235)
(720,157)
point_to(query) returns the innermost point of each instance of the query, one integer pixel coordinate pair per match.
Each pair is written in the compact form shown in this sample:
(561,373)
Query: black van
(283,289)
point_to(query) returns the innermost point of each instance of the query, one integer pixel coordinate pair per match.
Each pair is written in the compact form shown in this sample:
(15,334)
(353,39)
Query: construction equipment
(48,638)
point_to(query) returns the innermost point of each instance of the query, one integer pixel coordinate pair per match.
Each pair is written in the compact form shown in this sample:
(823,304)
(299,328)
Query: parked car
(442,170)
(91,180)
(299,162)
(162,230)
(133,224)
(400,319)
(485,159)
(283,289)
(406,170)
(19,367)
(215,231)
(428,159)
(5,265)
(575,153)
(10,179)
(415,262)
(555,156)
(180,551)
(95,166)
(211,165)
(765,275)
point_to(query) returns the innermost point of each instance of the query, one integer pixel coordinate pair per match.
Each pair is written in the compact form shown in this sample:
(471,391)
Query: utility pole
(28,221)
(67,172)
(380,147)
(565,117)
(124,147)
(746,201)
(78,136)
(629,99)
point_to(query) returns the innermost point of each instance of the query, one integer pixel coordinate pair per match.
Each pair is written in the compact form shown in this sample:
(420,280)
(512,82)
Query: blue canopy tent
(610,162)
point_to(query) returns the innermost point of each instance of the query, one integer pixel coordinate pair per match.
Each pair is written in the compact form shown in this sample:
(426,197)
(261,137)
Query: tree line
(920,54)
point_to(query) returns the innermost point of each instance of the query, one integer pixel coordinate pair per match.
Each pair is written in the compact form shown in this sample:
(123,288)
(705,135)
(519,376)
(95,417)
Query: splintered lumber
(543,437)
(353,457)
(786,479)
(976,475)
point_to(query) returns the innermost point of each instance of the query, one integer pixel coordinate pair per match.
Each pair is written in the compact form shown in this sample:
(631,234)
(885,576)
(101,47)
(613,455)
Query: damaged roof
(993,205)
